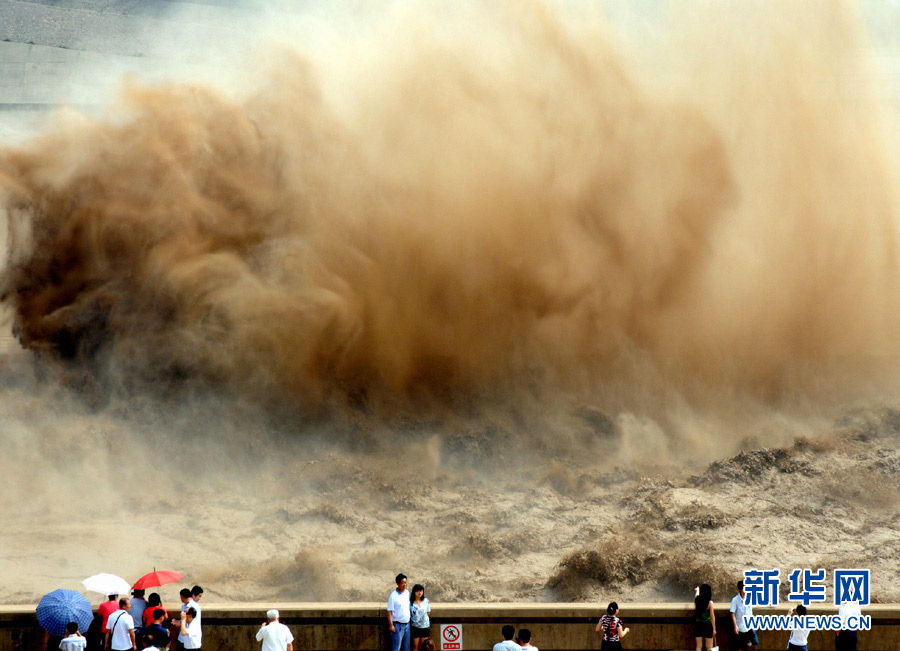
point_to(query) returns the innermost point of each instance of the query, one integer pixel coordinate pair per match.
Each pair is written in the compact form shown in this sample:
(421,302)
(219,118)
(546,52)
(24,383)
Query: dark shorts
(611,645)
(415,631)
(703,629)
(845,641)
(796,647)
(745,640)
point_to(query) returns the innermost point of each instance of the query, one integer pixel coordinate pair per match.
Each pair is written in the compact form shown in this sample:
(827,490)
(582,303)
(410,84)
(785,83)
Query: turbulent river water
(530,302)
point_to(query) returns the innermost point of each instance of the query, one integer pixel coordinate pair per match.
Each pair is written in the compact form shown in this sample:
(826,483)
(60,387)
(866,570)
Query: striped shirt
(610,624)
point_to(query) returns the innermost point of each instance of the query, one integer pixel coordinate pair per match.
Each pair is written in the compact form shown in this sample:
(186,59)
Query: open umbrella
(155,579)
(60,607)
(106,584)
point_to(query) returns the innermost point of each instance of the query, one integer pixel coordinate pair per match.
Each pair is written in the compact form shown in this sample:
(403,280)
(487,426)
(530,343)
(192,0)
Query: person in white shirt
(398,615)
(190,629)
(746,637)
(194,602)
(507,644)
(274,635)
(189,599)
(120,628)
(524,640)
(74,641)
(196,595)
(846,638)
(798,633)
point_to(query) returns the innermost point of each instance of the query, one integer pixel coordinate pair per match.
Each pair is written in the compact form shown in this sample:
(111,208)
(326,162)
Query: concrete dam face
(535,304)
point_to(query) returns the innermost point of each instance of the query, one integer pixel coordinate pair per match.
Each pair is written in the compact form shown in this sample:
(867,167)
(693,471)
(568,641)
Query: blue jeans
(400,637)
(746,639)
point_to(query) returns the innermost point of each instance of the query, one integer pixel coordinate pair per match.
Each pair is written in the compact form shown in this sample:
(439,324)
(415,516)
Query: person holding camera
(798,633)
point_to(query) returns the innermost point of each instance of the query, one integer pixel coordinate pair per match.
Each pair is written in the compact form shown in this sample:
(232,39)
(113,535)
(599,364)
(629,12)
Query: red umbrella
(155,579)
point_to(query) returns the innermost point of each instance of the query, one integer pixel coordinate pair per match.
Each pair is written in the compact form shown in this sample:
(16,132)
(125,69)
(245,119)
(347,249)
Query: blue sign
(851,585)
(761,587)
(805,586)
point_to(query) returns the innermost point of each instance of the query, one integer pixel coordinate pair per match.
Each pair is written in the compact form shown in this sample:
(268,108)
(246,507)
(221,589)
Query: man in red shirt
(107,608)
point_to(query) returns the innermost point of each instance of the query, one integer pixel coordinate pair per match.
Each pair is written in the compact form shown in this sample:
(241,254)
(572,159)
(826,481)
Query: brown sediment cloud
(482,210)
(670,265)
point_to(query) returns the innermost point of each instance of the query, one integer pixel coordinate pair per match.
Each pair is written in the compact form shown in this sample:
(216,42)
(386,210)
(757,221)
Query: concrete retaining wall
(555,627)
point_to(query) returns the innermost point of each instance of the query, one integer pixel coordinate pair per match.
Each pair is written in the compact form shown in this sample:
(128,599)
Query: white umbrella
(107,584)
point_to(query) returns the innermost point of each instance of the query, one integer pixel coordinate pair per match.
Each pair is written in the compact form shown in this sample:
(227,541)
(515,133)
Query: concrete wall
(556,627)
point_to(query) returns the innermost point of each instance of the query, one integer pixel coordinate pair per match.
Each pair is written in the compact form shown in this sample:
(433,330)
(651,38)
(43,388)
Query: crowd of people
(409,624)
(746,638)
(409,621)
(127,624)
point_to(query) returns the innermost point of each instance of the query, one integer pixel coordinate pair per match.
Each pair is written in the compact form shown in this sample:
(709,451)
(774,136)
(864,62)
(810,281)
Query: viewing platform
(554,627)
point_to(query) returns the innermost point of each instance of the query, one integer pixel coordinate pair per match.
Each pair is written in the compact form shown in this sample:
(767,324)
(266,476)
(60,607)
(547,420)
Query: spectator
(507,644)
(94,635)
(120,628)
(274,635)
(798,633)
(704,616)
(155,635)
(611,627)
(106,609)
(846,639)
(138,606)
(398,615)
(746,637)
(74,640)
(193,601)
(153,603)
(186,602)
(51,642)
(185,595)
(190,637)
(420,623)
(196,595)
(524,640)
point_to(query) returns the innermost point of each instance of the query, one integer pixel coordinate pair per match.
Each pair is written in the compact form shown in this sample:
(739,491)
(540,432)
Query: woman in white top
(418,610)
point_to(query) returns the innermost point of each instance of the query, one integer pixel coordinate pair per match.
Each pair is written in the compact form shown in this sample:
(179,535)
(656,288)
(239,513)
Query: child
(611,627)
(798,634)
(74,641)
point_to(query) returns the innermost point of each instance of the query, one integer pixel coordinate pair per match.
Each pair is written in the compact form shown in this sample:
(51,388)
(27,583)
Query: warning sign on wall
(451,637)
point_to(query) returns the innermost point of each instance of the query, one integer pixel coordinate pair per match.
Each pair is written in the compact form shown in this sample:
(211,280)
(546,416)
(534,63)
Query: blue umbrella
(60,607)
